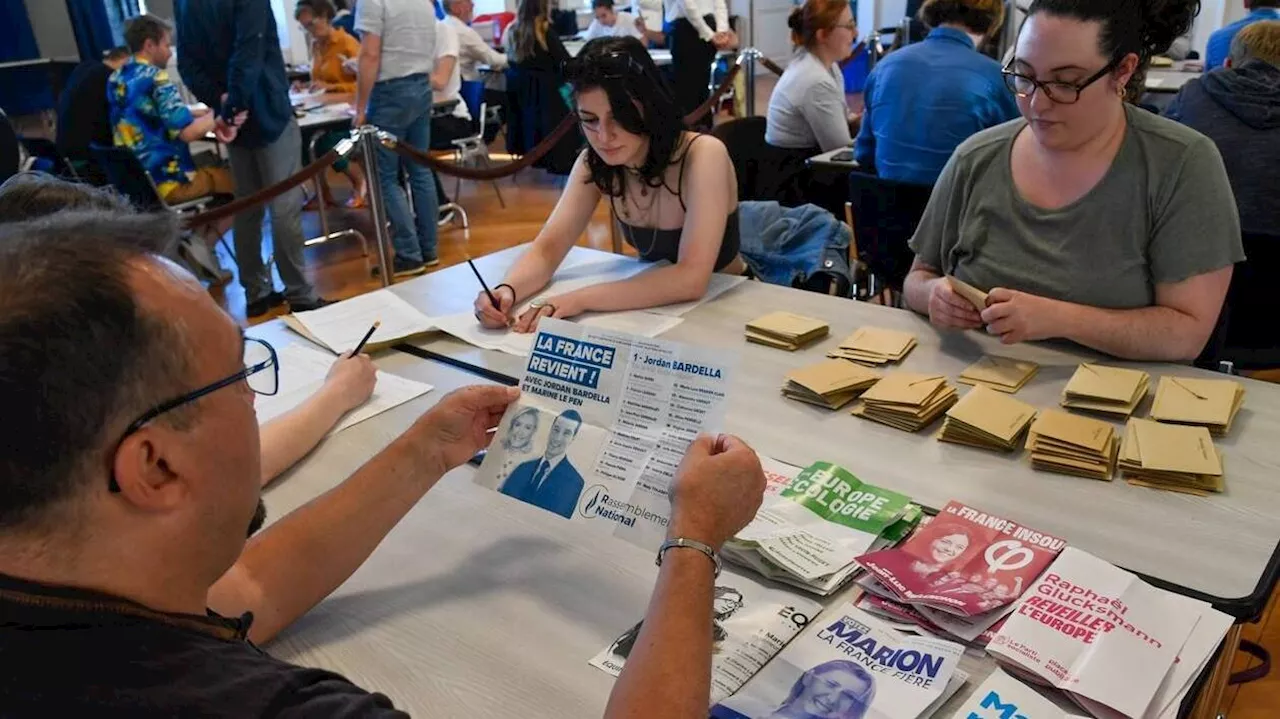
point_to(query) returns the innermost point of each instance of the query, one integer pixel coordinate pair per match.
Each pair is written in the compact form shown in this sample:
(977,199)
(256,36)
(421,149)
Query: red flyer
(964,562)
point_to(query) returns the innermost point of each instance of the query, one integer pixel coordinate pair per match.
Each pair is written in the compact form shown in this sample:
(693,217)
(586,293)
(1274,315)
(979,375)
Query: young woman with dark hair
(674,191)
(1090,219)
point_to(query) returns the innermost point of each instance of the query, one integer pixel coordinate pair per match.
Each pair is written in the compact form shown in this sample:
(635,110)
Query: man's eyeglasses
(258,358)
(1063,93)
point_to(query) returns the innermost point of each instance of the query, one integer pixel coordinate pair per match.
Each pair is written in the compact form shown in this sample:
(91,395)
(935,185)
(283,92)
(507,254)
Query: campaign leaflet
(752,622)
(1106,637)
(849,664)
(965,562)
(818,524)
(1003,697)
(602,424)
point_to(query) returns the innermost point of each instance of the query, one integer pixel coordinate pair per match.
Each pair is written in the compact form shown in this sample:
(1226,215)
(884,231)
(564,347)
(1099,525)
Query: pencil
(487,291)
(367,335)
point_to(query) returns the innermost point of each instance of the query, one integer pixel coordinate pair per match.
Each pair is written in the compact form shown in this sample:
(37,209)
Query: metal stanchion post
(748,61)
(369,143)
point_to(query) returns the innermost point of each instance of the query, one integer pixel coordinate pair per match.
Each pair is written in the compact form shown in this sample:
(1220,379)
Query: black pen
(487,291)
(367,335)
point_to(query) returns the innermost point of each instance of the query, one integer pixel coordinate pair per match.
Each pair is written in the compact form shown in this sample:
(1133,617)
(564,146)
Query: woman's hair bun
(795,20)
(1164,21)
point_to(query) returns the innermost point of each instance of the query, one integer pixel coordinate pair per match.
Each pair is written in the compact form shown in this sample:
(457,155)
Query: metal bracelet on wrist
(684,543)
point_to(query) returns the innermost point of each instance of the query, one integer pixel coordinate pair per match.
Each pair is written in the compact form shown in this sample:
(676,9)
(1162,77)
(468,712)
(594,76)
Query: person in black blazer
(551,481)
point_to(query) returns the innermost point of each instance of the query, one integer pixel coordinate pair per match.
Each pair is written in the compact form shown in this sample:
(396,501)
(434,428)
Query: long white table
(1222,548)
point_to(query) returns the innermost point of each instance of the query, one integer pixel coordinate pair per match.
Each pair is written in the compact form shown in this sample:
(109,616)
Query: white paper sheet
(303,371)
(466,328)
(342,325)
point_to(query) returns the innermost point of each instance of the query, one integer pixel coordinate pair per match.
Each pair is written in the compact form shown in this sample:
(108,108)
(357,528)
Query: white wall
(52,28)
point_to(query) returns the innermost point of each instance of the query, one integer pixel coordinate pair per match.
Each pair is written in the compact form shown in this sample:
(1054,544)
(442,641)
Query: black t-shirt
(70,653)
(83,115)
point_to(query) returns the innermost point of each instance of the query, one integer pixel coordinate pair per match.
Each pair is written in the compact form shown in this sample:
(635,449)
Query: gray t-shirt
(1163,213)
(408,32)
(807,108)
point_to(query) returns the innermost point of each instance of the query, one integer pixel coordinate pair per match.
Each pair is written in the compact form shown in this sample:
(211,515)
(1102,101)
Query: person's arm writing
(716,493)
(245,65)
(289,437)
(303,557)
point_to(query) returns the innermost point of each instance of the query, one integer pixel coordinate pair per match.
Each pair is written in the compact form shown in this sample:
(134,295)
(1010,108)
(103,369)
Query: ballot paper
(906,401)
(831,383)
(602,424)
(1003,374)
(1211,403)
(816,527)
(751,623)
(973,295)
(1109,390)
(1180,458)
(302,372)
(1069,444)
(340,326)
(987,419)
(1115,643)
(1004,697)
(786,330)
(849,664)
(965,561)
(520,344)
(875,346)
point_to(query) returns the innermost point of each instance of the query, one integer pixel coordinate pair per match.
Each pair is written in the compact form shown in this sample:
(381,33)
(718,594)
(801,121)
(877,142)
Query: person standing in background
(393,92)
(1238,107)
(230,59)
(924,100)
(1220,41)
(699,29)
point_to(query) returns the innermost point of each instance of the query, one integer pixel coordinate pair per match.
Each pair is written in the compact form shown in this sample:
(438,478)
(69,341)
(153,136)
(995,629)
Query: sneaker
(431,261)
(257,308)
(308,305)
(408,268)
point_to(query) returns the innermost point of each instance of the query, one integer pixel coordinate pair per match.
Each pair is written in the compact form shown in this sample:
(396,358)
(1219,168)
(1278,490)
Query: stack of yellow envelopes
(999,373)
(786,331)
(1177,458)
(1069,444)
(875,346)
(1211,403)
(830,383)
(907,401)
(1107,390)
(987,419)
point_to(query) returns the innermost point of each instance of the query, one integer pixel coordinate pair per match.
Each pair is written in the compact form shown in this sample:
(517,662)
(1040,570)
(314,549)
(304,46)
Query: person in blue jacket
(550,481)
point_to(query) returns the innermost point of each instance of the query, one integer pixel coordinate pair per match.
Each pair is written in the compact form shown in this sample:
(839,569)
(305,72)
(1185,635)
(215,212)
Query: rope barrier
(262,196)
(770,65)
(542,148)
(322,163)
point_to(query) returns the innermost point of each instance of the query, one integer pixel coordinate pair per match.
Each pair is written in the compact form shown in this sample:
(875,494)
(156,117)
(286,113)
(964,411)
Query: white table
(1170,80)
(1222,548)
(827,160)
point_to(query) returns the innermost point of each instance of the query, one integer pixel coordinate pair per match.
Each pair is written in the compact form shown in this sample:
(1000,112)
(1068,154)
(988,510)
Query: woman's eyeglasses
(1063,93)
(258,357)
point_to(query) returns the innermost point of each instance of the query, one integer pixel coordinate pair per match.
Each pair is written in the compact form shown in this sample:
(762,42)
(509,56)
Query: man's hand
(495,318)
(948,310)
(351,380)
(1016,316)
(717,490)
(725,40)
(455,429)
(562,307)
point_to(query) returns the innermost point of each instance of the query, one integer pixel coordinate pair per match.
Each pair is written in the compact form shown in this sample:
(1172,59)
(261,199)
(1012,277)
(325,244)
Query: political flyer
(602,424)
(853,665)
(1119,646)
(1004,697)
(965,562)
(752,622)
(817,525)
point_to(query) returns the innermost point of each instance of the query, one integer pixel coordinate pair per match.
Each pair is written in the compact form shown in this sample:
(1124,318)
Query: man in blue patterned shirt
(149,117)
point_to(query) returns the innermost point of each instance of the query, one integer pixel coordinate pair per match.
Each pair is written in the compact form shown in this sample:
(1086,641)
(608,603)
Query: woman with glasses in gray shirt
(1089,219)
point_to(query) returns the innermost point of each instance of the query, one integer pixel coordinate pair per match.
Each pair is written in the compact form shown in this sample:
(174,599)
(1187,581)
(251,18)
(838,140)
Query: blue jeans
(402,107)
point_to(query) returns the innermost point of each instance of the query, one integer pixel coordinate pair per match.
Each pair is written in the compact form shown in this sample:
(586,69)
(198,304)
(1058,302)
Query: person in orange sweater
(331,48)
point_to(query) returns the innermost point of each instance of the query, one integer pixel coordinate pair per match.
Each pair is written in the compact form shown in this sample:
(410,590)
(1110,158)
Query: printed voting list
(1003,374)
(907,401)
(340,326)
(786,331)
(1001,697)
(1173,457)
(1211,403)
(987,419)
(1108,390)
(602,425)
(1070,444)
(831,383)
(875,346)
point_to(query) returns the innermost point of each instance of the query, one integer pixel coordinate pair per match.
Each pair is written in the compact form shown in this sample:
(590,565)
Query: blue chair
(473,151)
